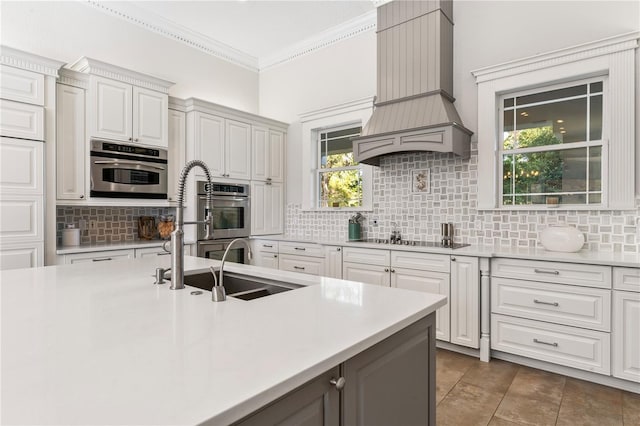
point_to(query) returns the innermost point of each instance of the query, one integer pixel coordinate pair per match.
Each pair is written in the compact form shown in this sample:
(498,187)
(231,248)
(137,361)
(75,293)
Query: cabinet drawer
(21,166)
(155,252)
(626,279)
(553,272)
(304,249)
(265,246)
(558,303)
(369,256)
(21,220)
(23,121)
(99,256)
(302,264)
(21,85)
(573,347)
(421,261)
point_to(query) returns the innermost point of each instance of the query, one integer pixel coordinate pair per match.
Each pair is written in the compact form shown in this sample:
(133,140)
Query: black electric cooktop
(429,244)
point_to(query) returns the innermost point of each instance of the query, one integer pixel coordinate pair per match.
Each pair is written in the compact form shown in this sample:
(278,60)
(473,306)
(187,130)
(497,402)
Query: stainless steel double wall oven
(231,219)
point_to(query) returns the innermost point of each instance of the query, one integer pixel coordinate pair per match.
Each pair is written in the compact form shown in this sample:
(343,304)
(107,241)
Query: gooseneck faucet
(177,236)
(218,292)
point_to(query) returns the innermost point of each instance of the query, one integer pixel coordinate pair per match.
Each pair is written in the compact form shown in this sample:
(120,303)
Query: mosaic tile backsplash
(453,198)
(112,224)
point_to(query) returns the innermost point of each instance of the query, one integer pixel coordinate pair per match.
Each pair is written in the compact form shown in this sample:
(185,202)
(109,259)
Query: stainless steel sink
(240,286)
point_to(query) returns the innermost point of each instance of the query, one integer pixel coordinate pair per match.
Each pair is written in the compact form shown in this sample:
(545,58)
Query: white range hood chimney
(414,104)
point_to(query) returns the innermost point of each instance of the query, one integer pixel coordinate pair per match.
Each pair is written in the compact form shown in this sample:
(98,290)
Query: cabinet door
(238,150)
(265,259)
(21,219)
(21,256)
(393,382)
(427,282)
(259,153)
(465,301)
(369,274)
(70,144)
(626,335)
(275,216)
(209,141)
(276,156)
(317,402)
(259,223)
(150,116)
(177,151)
(22,121)
(21,167)
(150,252)
(333,262)
(21,85)
(111,115)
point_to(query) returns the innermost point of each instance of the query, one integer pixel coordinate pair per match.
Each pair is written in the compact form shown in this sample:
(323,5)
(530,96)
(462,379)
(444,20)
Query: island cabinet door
(317,402)
(393,382)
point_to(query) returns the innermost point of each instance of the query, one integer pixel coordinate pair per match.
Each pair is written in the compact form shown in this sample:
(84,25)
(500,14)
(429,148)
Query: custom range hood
(414,107)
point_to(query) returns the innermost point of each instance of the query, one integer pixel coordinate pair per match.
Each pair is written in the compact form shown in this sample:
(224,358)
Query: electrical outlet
(93,224)
(374,222)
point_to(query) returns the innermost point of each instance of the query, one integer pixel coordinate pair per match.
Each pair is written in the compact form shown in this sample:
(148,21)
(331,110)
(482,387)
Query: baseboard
(456,348)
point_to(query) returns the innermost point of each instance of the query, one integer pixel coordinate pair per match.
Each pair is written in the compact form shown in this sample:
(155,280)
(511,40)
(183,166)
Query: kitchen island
(100,344)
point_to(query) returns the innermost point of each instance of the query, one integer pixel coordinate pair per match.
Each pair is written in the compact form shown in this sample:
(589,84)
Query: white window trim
(355,113)
(613,57)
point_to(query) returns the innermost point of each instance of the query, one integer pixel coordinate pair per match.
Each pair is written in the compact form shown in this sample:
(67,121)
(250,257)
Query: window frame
(349,114)
(614,57)
(320,170)
(603,143)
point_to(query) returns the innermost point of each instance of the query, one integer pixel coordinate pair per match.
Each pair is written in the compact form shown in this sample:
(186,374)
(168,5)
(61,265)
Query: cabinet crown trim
(194,104)
(103,69)
(73,78)
(28,61)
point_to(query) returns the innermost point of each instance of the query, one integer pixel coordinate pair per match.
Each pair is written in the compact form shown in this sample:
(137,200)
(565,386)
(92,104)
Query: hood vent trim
(414,108)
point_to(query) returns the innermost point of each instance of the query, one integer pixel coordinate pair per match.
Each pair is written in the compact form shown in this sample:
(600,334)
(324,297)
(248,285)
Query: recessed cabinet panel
(626,335)
(21,219)
(150,116)
(71,143)
(259,209)
(275,214)
(21,166)
(21,256)
(465,294)
(177,152)
(22,121)
(276,156)
(209,135)
(378,275)
(112,118)
(302,264)
(238,150)
(21,85)
(260,153)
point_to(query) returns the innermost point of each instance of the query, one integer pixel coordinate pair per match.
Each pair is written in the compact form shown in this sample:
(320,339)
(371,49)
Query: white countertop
(100,344)
(631,260)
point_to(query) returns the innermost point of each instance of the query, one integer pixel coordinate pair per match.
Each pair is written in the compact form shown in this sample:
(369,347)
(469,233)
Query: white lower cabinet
(626,324)
(155,252)
(266,208)
(17,256)
(370,274)
(265,253)
(465,301)
(333,262)
(431,282)
(303,264)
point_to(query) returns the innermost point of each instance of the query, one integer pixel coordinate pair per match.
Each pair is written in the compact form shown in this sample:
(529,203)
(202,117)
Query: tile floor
(499,393)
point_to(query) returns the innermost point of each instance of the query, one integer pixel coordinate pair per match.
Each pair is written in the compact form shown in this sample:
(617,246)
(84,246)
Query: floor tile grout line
(503,396)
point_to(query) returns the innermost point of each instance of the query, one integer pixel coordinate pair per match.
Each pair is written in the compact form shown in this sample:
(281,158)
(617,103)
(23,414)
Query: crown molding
(583,51)
(73,78)
(159,25)
(103,69)
(28,61)
(343,108)
(361,24)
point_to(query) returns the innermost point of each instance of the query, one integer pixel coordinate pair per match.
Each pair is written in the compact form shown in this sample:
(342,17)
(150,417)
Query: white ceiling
(255,33)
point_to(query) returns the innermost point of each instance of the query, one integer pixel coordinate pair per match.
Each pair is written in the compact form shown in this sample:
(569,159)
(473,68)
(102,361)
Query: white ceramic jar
(564,238)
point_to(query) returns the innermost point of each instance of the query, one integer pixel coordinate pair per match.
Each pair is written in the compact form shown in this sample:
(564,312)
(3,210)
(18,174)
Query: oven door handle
(223,198)
(129,163)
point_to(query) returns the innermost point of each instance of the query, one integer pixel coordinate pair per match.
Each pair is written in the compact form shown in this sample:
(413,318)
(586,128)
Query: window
(339,176)
(551,146)
(593,164)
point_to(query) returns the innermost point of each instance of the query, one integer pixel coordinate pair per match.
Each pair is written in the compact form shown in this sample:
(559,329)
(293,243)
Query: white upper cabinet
(209,142)
(70,146)
(21,85)
(150,117)
(177,151)
(125,105)
(267,154)
(237,150)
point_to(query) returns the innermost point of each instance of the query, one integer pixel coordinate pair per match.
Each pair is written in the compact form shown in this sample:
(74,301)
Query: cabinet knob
(386,269)
(136,139)
(393,271)
(453,259)
(81,197)
(275,255)
(339,249)
(338,383)
(130,139)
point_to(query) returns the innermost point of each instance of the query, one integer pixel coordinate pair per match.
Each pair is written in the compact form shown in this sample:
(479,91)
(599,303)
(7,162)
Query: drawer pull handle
(101,260)
(267,246)
(554,344)
(541,302)
(300,248)
(543,271)
(163,254)
(299,267)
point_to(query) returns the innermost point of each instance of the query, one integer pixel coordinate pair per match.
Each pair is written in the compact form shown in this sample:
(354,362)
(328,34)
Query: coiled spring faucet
(177,236)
